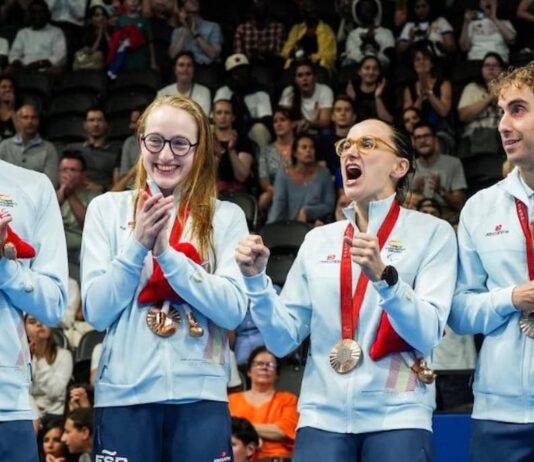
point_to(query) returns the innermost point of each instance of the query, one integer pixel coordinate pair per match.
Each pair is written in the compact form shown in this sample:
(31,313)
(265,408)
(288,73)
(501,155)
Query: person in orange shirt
(272,413)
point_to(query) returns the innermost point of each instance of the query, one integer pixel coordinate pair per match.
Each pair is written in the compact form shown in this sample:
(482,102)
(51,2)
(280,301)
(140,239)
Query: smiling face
(422,63)
(516,125)
(372,175)
(7,92)
(369,71)
(165,168)
(184,69)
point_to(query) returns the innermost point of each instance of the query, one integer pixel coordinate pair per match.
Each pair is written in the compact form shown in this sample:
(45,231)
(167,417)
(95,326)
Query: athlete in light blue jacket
(371,402)
(495,290)
(37,286)
(158,272)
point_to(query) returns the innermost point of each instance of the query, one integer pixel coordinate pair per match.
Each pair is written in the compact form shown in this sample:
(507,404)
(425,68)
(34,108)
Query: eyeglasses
(365,144)
(180,146)
(260,364)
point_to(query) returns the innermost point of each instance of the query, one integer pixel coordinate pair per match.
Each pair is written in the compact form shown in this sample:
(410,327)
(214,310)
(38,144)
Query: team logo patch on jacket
(6,201)
(497,230)
(394,249)
(331,258)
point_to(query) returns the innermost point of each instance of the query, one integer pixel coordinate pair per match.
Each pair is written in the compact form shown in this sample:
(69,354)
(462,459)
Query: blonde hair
(198,190)
(518,77)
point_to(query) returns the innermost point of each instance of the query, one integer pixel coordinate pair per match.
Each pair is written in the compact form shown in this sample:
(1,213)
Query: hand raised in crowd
(366,253)
(380,86)
(78,398)
(251,255)
(523,296)
(152,216)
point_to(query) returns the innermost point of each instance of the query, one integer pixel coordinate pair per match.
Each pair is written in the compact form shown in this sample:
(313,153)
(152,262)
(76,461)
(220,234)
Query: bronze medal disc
(161,323)
(526,323)
(345,356)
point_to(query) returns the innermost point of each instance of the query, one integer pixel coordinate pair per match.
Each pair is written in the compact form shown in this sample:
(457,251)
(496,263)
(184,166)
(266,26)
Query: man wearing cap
(252,103)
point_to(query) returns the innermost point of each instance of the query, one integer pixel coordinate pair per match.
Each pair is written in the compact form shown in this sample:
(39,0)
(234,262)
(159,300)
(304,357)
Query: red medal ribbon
(350,306)
(522,214)
(157,288)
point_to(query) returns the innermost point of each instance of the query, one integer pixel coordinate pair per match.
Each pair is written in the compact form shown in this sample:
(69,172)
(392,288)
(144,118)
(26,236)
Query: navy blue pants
(18,442)
(411,445)
(194,432)
(501,441)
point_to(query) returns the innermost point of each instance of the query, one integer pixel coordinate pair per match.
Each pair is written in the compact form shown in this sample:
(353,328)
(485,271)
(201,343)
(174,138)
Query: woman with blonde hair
(158,273)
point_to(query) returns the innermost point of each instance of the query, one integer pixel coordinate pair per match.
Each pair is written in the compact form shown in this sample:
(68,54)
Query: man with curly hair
(495,289)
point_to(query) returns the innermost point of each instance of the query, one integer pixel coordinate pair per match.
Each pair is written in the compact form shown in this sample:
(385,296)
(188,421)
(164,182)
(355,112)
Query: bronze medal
(162,322)
(424,373)
(195,329)
(526,323)
(345,356)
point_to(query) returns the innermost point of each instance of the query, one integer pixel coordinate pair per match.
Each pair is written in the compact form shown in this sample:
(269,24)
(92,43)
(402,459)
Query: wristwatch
(390,275)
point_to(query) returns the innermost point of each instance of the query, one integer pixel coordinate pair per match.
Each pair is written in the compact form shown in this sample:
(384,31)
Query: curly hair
(518,77)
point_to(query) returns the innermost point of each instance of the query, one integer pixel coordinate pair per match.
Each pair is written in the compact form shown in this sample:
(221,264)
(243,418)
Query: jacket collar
(377,213)
(515,186)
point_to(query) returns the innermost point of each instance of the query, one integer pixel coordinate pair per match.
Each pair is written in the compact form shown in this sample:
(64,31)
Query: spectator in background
(310,102)
(27,149)
(52,449)
(7,107)
(101,157)
(4,53)
(78,433)
(73,198)
(275,157)
(129,154)
(51,369)
(410,117)
(195,34)
(136,58)
(245,440)
(273,413)
(483,32)
(95,42)
(480,147)
(525,19)
(40,47)
(313,39)
(69,16)
(369,38)
(234,152)
(184,71)
(429,93)
(73,323)
(252,104)
(343,117)
(369,91)
(425,28)
(305,192)
(260,38)
(437,176)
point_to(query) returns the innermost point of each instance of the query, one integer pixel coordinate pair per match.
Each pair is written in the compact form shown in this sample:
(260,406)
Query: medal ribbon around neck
(350,306)
(157,288)
(526,322)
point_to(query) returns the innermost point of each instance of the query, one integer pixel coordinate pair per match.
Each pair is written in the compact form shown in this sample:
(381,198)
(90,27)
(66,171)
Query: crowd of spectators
(282,81)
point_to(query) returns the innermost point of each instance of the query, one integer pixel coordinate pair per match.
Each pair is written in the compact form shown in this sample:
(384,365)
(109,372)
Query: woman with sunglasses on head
(158,273)
(374,299)
(273,413)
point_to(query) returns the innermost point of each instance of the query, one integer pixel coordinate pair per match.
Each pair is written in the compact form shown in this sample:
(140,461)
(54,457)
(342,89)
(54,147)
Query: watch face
(390,275)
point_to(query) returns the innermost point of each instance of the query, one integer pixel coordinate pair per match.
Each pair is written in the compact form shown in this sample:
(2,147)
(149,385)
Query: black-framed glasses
(365,144)
(260,364)
(180,145)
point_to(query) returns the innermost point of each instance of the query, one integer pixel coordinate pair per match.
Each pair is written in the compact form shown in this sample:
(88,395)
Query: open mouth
(166,168)
(353,172)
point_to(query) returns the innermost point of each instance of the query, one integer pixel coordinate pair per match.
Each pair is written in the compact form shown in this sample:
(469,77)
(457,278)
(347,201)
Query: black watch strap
(390,275)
